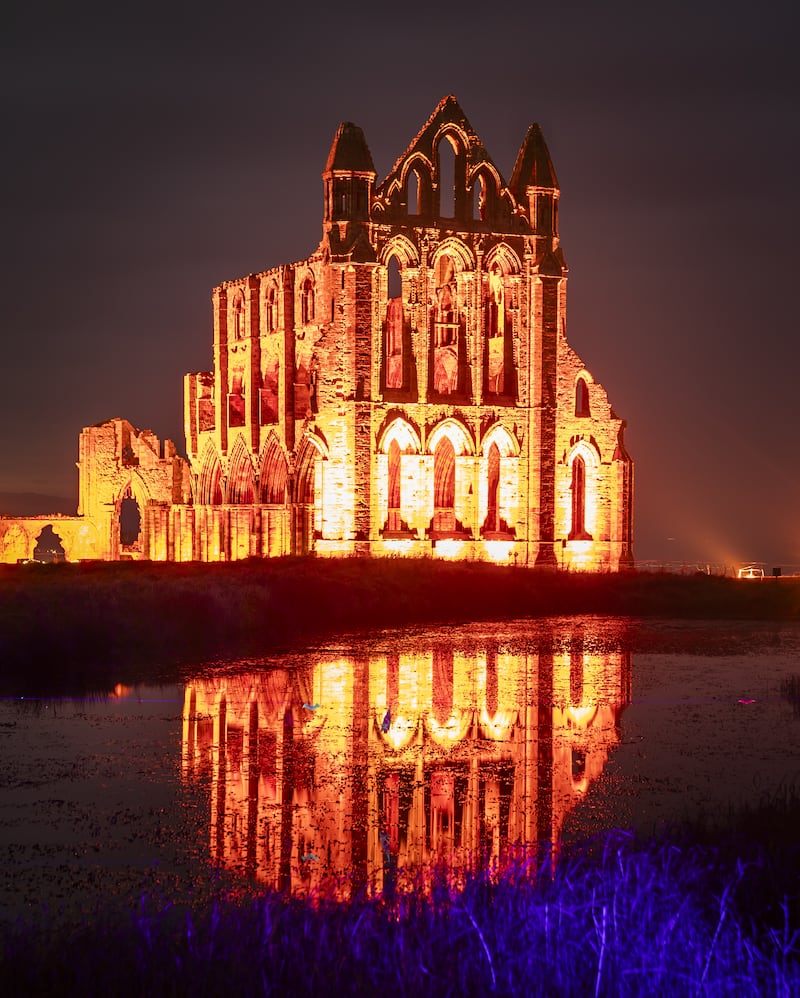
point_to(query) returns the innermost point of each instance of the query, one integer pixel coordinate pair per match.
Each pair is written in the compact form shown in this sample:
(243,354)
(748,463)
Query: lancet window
(394,328)
(307,301)
(446,329)
(581,398)
(578,531)
(444,487)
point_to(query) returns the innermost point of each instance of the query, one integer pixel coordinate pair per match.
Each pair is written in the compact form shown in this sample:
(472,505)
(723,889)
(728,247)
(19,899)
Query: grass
(617,916)
(81,621)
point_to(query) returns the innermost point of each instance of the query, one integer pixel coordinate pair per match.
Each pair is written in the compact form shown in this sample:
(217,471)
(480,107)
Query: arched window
(581,398)
(394,327)
(307,301)
(447,179)
(274,474)
(271,307)
(393,522)
(479,199)
(413,193)
(394,279)
(495,325)
(444,487)
(238,316)
(578,532)
(493,473)
(130,519)
(236,402)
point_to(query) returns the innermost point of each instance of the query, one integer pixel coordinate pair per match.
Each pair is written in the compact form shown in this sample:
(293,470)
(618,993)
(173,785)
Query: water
(367,764)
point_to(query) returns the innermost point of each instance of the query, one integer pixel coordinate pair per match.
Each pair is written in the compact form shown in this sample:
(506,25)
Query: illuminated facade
(368,768)
(406,390)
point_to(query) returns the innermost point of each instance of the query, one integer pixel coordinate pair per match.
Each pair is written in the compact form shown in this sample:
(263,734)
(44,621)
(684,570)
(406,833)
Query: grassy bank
(674,916)
(84,620)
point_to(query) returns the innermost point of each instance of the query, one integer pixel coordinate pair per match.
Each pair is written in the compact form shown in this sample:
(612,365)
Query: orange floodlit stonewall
(407,389)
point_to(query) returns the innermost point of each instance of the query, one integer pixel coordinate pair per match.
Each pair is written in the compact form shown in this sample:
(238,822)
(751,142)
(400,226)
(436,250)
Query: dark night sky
(152,151)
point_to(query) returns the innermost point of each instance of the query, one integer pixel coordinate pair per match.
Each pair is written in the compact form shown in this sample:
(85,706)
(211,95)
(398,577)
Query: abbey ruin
(408,389)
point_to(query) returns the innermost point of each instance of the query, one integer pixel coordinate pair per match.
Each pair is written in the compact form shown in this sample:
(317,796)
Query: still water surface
(370,762)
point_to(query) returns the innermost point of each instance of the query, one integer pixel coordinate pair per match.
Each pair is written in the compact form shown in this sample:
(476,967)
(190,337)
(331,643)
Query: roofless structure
(407,389)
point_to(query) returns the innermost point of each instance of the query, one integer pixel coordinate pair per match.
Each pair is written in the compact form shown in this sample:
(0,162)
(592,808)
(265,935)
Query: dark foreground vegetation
(697,911)
(79,623)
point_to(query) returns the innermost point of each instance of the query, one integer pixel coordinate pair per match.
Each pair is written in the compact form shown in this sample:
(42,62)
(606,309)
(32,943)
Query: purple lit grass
(617,916)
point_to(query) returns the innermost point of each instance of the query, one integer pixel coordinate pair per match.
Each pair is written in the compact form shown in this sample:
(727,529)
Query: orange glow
(445,417)
(343,770)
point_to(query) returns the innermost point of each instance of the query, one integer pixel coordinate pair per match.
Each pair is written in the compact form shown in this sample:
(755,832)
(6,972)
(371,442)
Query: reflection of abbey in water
(406,389)
(368,766)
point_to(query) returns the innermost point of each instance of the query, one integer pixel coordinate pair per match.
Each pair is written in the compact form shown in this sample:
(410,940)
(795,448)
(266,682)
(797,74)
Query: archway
(48,546)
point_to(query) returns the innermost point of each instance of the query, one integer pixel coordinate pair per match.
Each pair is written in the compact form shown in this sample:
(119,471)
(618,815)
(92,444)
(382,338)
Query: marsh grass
(617,916)
(143,620)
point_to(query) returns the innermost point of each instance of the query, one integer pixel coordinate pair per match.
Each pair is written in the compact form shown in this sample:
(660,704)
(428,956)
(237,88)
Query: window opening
(578,532)
(479,199)
(395,282)
(48,546)
(307,301)
(393,523)
(412,193)
(238,317)
(493,472)
(444,487)
(446,326)
(272,311)
(447,179)
(130,520)
(581,398)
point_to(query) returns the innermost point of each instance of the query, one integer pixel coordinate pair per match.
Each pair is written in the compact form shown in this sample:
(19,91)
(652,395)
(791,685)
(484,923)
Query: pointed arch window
(394,523)
(493,476)
(446,156)
(274,475)
(413,192)
(236,402)
(271,308)
(307,301)
(497,361)
(582,398)
(444,487)
(238,316)
(578,531)
(395,322)
(446,329)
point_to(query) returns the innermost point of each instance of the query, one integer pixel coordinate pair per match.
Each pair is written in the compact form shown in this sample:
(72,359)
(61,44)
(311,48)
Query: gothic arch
(133,489)
(458,435)
(238,312)
(582,405)
(209,480)
(271,306)
(307,296)
(587,451)
(401,431)
(310,450)
(403,249)
(137,488)
(505,441)
(458,139)
(583,462)
(241,478)
(505,258)
(459,253)
(485,175)
(418,166)
(274,473)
